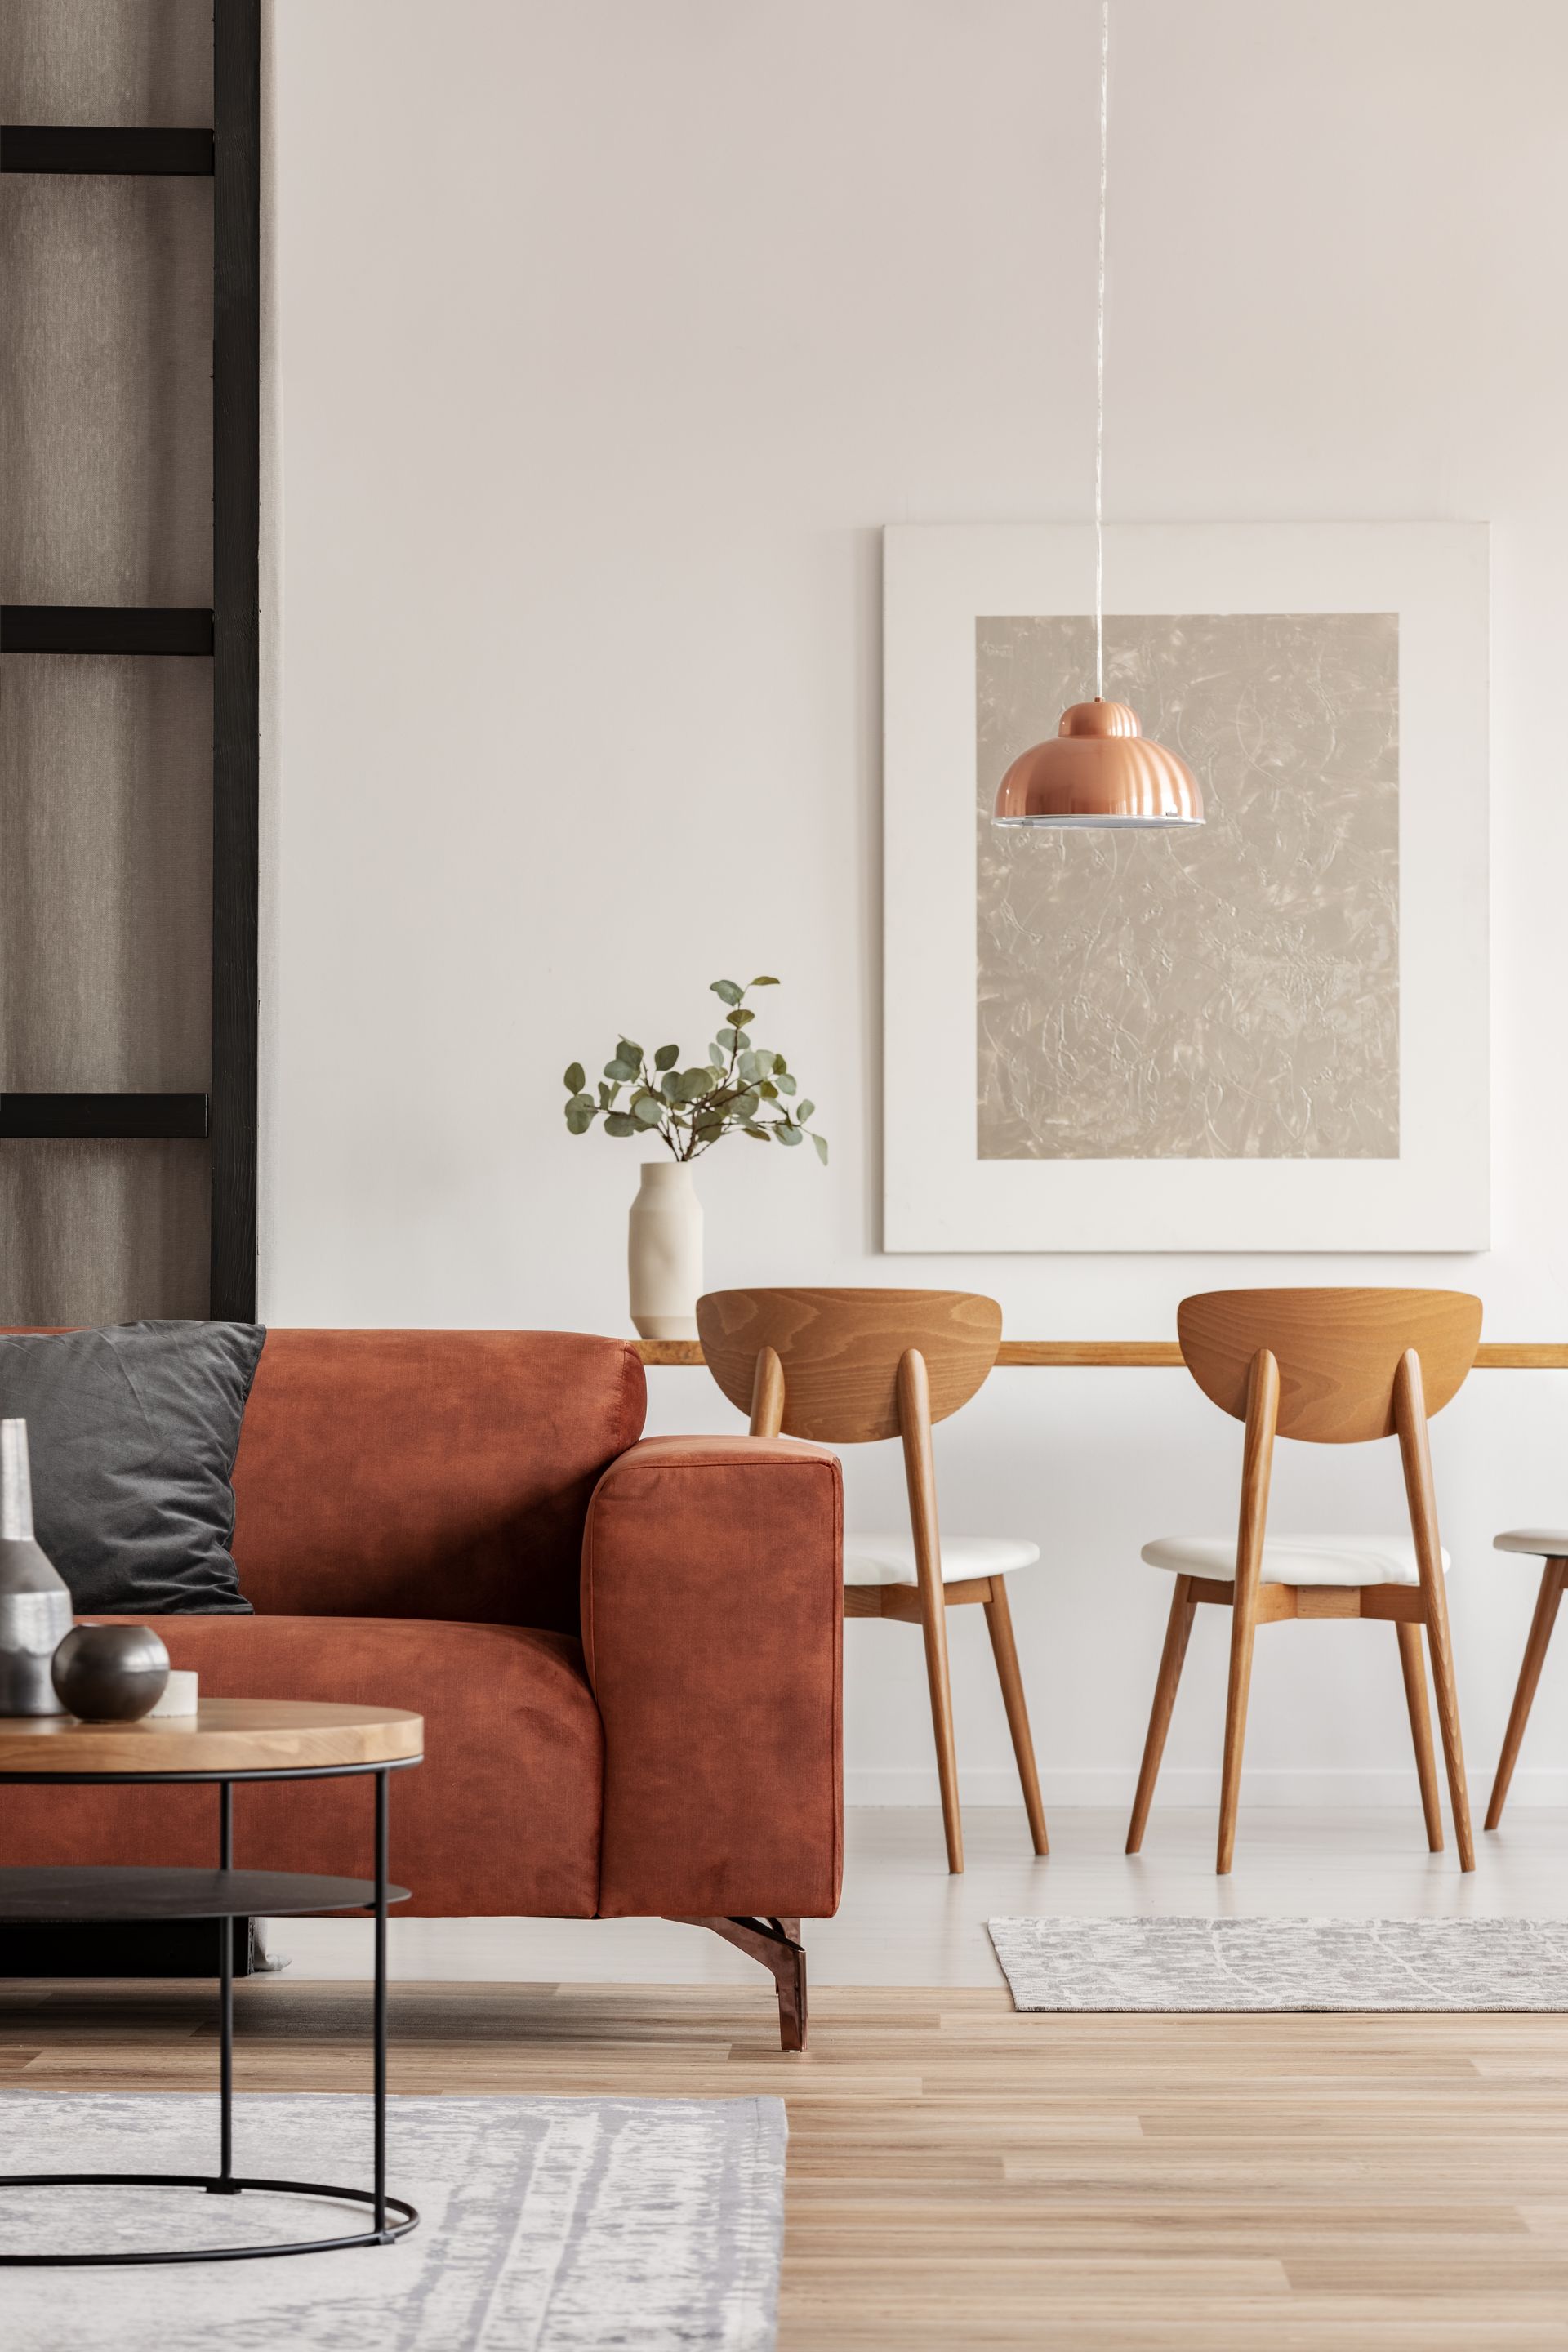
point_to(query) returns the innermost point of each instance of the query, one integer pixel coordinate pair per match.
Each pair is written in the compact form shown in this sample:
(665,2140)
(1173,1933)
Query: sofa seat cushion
(503,1818)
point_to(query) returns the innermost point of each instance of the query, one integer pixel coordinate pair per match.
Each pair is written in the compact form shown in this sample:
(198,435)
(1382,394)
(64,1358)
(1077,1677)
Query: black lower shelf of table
(104,1894)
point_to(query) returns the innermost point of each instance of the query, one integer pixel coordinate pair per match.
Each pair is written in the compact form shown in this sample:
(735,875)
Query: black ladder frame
(230,153)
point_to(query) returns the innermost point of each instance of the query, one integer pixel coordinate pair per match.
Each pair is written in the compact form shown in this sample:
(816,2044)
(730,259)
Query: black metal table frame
(392,2217)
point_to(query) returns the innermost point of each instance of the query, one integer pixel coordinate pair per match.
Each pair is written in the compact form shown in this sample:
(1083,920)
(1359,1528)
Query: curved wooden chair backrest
(839,1351)
(1338,1351)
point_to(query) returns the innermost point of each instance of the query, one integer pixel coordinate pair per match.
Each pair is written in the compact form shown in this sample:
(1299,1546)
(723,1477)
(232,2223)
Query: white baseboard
(1113,1786)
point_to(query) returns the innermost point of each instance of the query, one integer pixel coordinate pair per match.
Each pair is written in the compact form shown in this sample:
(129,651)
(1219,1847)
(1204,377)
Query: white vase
(34,1603)
(664,1252)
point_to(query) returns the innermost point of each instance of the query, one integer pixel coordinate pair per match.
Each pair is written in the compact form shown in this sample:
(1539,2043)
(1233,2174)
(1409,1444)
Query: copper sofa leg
(776,1943)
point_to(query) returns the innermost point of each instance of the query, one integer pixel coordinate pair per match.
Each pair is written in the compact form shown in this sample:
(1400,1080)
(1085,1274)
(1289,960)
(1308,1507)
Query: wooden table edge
(303,1736)
(1142,1355)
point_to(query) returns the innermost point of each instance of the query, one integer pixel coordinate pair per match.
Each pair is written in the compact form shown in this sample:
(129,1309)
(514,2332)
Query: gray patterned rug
(548,2225)
(1167,1966)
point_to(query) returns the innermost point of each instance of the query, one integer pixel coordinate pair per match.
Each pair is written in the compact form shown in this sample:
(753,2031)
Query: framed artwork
(1267,1034)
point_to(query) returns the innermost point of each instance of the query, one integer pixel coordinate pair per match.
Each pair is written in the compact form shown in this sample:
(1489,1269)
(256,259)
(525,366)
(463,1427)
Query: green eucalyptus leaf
(696,1108)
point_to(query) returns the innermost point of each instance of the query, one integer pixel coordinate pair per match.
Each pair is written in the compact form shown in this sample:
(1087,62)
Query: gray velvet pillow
(133,1434)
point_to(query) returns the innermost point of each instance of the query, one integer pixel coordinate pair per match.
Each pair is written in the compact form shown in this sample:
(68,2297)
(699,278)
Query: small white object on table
(179,1694)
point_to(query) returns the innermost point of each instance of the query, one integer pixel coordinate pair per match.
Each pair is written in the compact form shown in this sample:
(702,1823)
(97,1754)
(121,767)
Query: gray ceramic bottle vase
(34,1603)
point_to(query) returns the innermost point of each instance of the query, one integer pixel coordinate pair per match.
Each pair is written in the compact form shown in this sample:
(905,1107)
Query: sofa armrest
(712,1627)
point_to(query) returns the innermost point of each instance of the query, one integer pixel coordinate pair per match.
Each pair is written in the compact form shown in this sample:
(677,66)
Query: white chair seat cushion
(891,1559)
(1295,1560)
(1543,1543)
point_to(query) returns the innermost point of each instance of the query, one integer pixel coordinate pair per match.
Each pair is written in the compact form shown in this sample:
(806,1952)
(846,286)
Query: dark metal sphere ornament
(110,1673)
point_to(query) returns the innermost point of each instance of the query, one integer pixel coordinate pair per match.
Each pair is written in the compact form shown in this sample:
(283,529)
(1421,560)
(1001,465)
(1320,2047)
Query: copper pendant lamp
(1099,769)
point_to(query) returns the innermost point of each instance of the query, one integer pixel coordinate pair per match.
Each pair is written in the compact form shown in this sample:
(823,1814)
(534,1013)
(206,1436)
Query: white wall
(608,333)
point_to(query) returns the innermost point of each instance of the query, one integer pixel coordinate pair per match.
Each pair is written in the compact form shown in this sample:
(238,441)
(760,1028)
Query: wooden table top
(1152,1355)
(224,1735)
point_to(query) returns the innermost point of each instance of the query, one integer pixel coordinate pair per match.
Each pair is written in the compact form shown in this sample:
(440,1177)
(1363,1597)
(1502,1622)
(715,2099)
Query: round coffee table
(230,1740)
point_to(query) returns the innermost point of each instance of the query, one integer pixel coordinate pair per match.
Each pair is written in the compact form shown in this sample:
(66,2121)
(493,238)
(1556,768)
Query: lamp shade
(1097,769)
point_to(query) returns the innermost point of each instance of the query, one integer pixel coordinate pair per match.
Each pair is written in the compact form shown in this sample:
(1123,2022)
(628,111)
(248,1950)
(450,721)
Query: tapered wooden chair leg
(999,1624)
(1257,1463)
(1415,1455)
(1244,1625)
(913,1388)
(1178,1628)
(1449,1723)
(1414,1666)
(1535,1649)
(933,1624)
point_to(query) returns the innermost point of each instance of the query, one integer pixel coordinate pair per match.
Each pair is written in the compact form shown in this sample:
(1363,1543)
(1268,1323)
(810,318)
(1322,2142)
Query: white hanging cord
(1099,365)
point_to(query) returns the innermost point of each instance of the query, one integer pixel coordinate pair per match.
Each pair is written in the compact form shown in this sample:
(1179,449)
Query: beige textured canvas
(1224,992)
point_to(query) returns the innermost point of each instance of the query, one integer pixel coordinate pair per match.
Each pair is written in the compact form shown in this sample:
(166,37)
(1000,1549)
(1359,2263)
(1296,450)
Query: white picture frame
(939,1194)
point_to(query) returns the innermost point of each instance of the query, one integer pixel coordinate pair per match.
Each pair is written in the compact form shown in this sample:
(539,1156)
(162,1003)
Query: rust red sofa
(626,1649)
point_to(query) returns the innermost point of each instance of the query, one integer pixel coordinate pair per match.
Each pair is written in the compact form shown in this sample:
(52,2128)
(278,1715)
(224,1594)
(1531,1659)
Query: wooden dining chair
(1550,1546)
(846,1368)
(1331,1368)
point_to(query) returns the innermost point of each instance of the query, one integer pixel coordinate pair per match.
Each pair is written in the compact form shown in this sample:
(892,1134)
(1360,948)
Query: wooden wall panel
(105,874)
(102,1233)
(147,61)
(105,390)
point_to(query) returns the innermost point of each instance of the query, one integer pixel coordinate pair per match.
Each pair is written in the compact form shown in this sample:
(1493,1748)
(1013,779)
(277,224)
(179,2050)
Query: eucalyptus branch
(691,1109)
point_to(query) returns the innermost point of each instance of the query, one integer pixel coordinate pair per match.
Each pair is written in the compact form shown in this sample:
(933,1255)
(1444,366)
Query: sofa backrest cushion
(427,1474)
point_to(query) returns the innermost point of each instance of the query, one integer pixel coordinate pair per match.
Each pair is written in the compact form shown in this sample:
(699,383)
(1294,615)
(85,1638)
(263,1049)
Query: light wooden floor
(962,2176)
